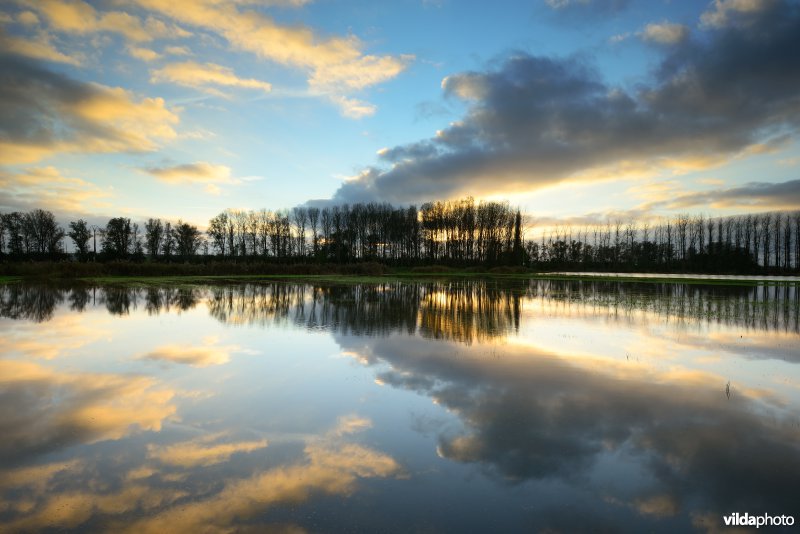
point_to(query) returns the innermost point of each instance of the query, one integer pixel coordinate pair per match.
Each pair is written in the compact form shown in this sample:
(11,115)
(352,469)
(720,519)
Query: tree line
(456,233)
(768,242)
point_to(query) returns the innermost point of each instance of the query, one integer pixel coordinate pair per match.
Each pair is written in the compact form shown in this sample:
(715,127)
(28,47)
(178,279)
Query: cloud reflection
(42,410)
(529,414)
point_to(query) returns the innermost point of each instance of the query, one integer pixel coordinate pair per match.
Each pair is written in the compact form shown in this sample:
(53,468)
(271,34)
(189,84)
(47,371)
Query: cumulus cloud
(177,51)
(47,188)
(40,47)
(329,466)
(91,407)
(336,66)
(145,54)
(535,414)
(534,121)
(210,353)
(206,77)
(755,195)
(203,451)
(44,113)
(80,18)
(193,173)
(665,33)
(726,12)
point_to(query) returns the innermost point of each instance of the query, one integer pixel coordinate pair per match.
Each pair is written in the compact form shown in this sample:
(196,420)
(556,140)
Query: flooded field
(530,406)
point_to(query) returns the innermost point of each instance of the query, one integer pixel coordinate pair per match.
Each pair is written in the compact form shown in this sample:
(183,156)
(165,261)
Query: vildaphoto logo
(765,520)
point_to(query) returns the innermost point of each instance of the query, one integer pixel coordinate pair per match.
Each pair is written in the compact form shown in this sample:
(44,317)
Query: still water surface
(397,407)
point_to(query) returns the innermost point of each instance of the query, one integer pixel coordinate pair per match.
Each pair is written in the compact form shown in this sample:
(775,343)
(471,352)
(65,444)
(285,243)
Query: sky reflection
(293,407)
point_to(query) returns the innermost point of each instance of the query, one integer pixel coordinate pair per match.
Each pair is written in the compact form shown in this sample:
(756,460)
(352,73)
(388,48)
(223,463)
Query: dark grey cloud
(533,121)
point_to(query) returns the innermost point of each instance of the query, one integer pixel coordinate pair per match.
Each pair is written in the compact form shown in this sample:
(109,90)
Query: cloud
(353,108)
(143,497)
(202,75)
(199,356)
(193,173)
(91,407)
(728,12)
(39,48)
(177,51)
(63,335)
(328,467)
(201,451)
(665,33)
(534,121)
(78,17)
(43,113)
(28,18)
(755,195)
(46,188)
(533,414)
(579,10)
(336,65)
(145,54)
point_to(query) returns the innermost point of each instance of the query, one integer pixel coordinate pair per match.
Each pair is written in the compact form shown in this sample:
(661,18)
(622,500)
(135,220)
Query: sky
(575,111)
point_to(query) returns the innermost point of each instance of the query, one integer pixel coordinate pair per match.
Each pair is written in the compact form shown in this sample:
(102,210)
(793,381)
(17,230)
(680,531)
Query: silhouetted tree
(187,238)
(118,239)
(80,235)
(153,237)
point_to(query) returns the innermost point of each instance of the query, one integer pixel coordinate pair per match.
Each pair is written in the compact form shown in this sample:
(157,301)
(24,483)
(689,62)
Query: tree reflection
(464,311)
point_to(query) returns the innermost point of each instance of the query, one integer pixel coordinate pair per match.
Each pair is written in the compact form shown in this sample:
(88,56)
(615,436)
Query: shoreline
(401,276)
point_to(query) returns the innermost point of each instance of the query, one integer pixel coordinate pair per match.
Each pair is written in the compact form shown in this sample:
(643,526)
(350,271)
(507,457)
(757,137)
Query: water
(399,407)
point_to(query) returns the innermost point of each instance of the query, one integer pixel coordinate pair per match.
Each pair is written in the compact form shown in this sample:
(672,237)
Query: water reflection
(527,405)
(459,311)
(530,414)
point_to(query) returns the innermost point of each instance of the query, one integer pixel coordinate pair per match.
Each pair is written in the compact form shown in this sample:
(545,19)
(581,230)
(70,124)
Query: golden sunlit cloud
(178,51)
(195,173)
(329,467)
(39,48)
(90,407)
(337,65)
(145,54)
(353,108)
(665,33)
(37,476)
(78,17)
(46,188)
(201,451)
(723,10)
(28,18)
(64,334)
(200,356)
(53,114)
(202,75)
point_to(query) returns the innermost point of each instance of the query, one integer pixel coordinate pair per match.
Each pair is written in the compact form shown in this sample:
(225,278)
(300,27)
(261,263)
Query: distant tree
(118,242)
(41,233)
(187,239)
(168,243)
(299,218)
(518,252)
(217,231)
(153,236)
(80,234)
(313,220)
(2,234)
